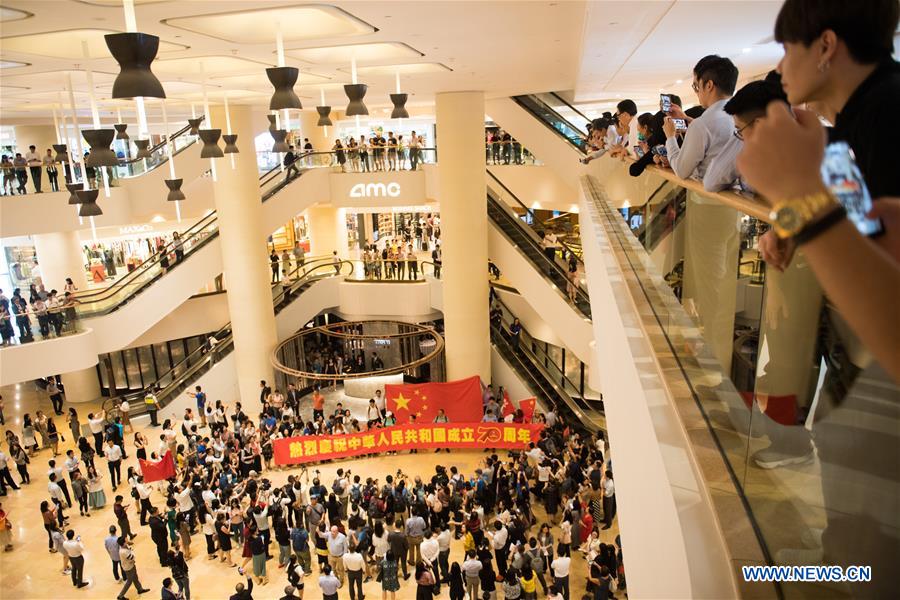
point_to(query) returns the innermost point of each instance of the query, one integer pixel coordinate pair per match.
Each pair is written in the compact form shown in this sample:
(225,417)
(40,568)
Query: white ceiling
(597,51)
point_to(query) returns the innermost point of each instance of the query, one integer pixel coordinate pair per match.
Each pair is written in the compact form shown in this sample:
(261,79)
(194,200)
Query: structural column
(245,261)
(59,256)
(327,228)
(316,134)
(712,240)
(81,386)
(462,191)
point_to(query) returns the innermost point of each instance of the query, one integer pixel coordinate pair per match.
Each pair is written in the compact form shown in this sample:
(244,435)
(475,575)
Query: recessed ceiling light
(344,53)
(679,81)
(747,50)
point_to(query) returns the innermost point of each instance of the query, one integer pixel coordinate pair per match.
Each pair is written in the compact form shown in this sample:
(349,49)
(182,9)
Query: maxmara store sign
(378,189)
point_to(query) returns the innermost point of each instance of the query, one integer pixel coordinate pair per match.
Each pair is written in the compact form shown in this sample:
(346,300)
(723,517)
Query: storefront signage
(129,229)
(375,190)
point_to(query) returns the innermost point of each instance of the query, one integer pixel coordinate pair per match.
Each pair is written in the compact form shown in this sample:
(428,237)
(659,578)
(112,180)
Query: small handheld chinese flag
(527,407)
(157,470)
(507,408)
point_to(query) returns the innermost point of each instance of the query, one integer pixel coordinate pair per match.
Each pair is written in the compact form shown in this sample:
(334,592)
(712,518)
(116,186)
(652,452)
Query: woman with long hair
(390,583)
(456,582)
(223,530)
(74,424)
(424,582)
(96,495)
(53,436)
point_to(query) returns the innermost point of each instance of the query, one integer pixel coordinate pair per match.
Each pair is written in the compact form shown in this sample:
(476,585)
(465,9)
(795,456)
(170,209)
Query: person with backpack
(341,489)
(290,164)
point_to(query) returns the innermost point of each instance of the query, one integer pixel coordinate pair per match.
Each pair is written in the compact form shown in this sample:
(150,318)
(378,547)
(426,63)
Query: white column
(41,136)
(712,238)
(327,229)
(81,386)
(462,190)
(245,263)
(316,134)
(60,256)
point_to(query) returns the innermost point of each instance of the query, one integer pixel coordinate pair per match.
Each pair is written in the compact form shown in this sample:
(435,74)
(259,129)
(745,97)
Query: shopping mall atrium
(464,300)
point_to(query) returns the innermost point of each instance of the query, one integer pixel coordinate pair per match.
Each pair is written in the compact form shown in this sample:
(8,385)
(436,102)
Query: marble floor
(30,572)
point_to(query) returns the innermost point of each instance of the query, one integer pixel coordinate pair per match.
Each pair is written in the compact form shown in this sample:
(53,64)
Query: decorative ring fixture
(62,153)
(399,111)
(279,135)
(88,201)
(210,139)
(230,147)
(73,197)
(134,52)
(175,192)
(324,116)
(195,126)
(120,131)
(397,334)
(355,93)
(283,79)
(143,148)
(99,140)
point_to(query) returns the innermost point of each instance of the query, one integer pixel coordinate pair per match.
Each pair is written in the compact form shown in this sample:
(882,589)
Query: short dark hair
(627,106)
(754,97)
(675,98)
(720,70)
(867,28)
(646,120)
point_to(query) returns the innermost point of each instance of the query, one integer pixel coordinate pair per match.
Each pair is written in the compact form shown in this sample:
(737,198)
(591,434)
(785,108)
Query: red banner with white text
(314,448)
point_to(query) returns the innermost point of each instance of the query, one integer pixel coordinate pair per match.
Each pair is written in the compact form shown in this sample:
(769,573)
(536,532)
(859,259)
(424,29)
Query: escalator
(666,209)
(557,115)
(195,364)
(527,241)
(530,361)
(135,167)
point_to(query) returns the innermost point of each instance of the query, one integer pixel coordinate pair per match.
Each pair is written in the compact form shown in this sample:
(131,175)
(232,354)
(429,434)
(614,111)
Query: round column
(81,386)
(327,230)
(59,256)
(316,134)
(245,261)
(462,193)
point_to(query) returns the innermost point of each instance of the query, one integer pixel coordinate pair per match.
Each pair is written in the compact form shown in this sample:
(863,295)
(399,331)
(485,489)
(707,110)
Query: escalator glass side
(552,119)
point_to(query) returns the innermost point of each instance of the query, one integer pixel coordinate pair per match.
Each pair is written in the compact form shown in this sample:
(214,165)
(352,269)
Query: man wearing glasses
(746,108)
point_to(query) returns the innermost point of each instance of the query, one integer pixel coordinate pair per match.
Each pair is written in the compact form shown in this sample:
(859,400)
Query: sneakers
(773,458)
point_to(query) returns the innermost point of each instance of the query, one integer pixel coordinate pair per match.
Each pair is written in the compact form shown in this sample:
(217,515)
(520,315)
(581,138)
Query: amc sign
(375,190)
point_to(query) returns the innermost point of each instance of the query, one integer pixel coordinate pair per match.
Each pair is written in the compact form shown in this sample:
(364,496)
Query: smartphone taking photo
(844,179)
(665,103)
(680,124)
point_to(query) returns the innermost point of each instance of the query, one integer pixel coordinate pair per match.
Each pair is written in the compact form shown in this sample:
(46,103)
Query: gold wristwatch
(790,217)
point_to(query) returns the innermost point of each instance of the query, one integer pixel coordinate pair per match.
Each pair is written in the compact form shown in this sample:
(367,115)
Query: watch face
(789,219)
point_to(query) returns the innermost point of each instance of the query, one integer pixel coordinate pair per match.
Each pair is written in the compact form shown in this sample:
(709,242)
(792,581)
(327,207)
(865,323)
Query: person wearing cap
(289,593)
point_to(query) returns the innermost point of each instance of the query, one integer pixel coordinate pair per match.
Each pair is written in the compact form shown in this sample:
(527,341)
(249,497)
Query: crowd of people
(500,148)
(359,526)
(51,311)
(379,153)
(16,170)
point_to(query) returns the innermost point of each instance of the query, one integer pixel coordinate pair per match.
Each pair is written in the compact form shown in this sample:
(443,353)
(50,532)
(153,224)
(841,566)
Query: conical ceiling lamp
(210,139)
(399,111)
(273,122)
(120,131)
(175,192)
(88,201)
(99,140)
(195,126)
(134,52)
(324,116)
(62,153)
(230,139)
(279,135)
(283,79)
(143,148)
(74,187)
(355,93)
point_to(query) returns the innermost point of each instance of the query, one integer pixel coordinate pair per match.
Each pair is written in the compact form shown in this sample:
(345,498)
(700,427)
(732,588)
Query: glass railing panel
(565,110)
(554,120)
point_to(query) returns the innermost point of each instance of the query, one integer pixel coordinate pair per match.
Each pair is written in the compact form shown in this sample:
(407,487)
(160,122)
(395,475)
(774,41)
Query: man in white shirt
(380,402)
(431,550)
(471,569)
(74,550)
(56,494)
(499,538)
(186,505)
(57,472)
(443,538)
(144,491)
(114,461)
(560,566)
(96,425)
(34,165)
(354,566)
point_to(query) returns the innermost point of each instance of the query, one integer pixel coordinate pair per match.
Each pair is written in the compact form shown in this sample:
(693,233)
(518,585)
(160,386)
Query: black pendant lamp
(355,93)
(230,139)
(120,131)
(62,153)
(134,52)
(399,111)
(99,140)
(88,201)
(210,139)
(324,116)
(283,79)
(143,148)
(273,122)
(195,126)
(74,187)
(279,135)
(175,192)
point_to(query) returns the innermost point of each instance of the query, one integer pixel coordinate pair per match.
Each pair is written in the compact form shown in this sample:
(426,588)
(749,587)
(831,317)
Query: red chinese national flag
(157,471)
(507,408)
(461,400)
(527,407)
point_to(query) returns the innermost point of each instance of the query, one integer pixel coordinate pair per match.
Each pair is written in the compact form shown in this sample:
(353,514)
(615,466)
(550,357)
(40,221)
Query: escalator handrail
(570,107)
(581,292)
(169,138)
(533,216)
(522,101)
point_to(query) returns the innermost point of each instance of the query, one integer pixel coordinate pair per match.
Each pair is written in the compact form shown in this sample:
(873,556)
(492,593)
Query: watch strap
(820,226)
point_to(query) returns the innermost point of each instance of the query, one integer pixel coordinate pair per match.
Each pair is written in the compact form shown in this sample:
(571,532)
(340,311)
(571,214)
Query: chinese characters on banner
(314,448)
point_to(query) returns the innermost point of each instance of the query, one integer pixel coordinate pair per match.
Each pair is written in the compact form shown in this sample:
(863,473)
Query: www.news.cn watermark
(808,573)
